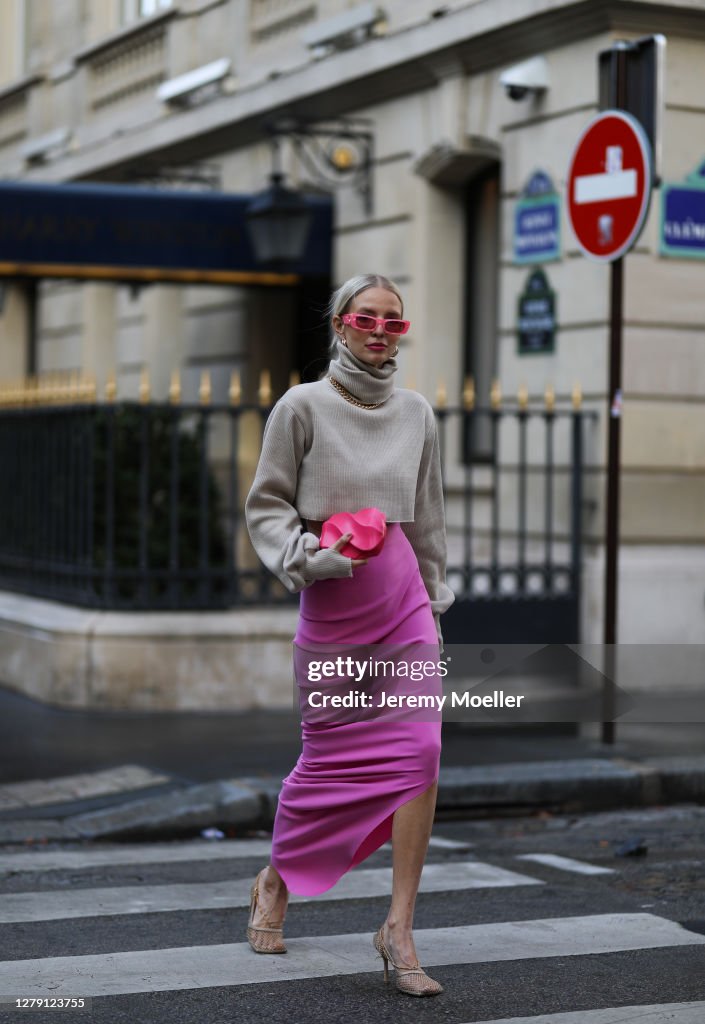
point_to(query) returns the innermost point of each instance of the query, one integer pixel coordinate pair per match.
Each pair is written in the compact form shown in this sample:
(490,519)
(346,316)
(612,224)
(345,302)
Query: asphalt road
(486,975)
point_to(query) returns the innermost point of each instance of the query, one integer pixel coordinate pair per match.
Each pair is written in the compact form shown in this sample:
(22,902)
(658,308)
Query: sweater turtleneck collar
(369,384)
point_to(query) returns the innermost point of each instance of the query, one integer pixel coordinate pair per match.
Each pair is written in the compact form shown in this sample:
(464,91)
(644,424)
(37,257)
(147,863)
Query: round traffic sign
(609,185)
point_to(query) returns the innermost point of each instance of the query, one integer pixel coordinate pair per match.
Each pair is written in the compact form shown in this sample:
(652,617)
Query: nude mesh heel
(267,938)
(412,981)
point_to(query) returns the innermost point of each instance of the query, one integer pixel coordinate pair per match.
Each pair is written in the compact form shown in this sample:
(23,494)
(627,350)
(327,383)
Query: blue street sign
(683,217)
(537,222)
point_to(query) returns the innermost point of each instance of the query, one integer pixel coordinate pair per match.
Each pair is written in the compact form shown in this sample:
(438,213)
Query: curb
(587,784)
(225,802)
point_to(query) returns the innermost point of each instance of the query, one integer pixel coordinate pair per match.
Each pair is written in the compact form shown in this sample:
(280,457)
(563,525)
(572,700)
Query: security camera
(517,92)
(529,77)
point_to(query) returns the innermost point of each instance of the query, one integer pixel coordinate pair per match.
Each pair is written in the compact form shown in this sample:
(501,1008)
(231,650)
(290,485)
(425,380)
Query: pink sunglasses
(364,322)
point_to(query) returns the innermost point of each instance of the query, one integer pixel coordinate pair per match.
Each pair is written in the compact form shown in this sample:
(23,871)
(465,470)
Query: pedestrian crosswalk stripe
(141,899)
(552,860)
(141,853)
(159,853)
(441,843)
(654,1013)
(193,967)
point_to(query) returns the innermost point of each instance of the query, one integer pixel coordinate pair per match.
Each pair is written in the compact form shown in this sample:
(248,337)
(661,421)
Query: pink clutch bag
(368,528)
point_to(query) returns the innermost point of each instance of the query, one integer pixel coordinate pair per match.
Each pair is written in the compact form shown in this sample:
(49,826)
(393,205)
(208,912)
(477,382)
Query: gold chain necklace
(344,393)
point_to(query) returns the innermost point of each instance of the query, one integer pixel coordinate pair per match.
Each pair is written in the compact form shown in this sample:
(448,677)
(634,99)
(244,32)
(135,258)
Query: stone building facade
(452,152)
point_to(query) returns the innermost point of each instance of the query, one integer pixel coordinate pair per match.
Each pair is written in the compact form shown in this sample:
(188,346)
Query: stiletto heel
(267,938)
(379,946)
(412,981)
(378,943)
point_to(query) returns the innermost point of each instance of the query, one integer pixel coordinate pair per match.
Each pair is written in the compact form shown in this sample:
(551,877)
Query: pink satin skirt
(337,804)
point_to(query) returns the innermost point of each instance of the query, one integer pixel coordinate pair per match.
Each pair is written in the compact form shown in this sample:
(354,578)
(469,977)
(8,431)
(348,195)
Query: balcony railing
(128,63)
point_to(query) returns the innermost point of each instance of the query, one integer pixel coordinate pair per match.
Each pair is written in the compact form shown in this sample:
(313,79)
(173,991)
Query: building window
(132,10)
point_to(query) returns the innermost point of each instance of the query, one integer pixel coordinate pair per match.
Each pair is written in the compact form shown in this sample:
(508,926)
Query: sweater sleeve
(274,525)
(427,534)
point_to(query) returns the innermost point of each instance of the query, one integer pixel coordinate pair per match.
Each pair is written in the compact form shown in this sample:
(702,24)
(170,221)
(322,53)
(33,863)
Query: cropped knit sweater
(321,454)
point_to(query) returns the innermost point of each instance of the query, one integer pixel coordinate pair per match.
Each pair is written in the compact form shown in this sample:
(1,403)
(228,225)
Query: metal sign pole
(618,84)
(612,503)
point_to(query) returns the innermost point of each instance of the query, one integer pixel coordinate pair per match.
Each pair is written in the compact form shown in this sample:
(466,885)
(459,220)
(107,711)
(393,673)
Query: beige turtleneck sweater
(321,455)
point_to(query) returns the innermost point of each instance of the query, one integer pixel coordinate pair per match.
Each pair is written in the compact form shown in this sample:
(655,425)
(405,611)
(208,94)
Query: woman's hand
(341,542)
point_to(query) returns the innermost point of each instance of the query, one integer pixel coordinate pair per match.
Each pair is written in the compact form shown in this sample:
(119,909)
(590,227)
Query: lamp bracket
(334,154)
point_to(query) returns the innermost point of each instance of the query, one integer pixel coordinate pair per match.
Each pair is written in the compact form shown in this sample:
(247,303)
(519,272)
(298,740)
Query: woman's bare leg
(411,831)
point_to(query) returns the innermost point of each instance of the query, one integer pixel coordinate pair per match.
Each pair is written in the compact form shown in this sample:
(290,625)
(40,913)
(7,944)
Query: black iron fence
(514,510)
(139,505)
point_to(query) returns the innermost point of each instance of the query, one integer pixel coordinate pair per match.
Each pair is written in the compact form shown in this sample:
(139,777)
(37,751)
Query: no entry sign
(609,185)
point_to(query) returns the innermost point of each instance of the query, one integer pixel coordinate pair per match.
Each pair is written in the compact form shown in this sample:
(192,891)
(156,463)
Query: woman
(348,441)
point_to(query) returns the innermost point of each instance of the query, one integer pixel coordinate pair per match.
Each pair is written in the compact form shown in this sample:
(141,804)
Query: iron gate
(514,522)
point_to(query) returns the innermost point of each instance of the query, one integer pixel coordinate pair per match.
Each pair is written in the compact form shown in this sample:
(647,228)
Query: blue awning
(119,232)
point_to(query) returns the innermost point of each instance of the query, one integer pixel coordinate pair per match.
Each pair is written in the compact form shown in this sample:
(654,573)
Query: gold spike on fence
(264,393)
(57,388)
(175,387)
(47,388)
(74,388)
(61,387)
(82,386)
(51,388)
(495,394)
(235,389)
(549,397)
(111,387)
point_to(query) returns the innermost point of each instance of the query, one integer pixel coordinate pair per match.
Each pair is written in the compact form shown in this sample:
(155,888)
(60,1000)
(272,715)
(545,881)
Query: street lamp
(279,221)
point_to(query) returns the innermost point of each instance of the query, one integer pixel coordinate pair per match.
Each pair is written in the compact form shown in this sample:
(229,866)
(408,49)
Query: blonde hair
(341,299)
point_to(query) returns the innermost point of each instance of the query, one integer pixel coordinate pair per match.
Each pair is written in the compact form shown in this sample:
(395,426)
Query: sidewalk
(75,775)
